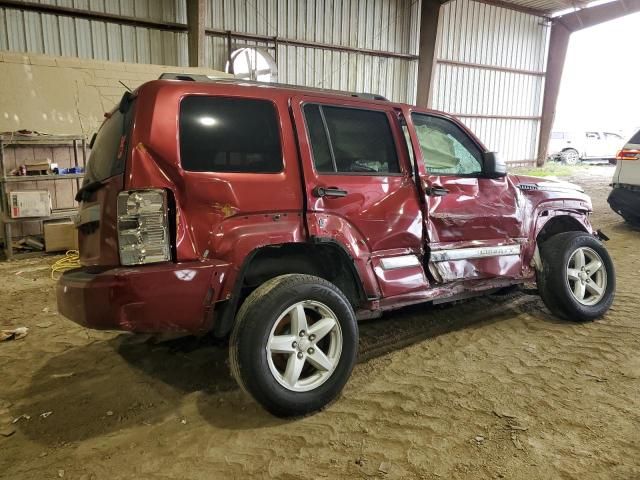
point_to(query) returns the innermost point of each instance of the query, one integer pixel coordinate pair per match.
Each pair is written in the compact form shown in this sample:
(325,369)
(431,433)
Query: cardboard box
(60,236)
(30,203)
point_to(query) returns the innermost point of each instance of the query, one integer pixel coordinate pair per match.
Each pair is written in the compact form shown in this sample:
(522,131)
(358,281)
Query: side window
(349,140)
(446,149)
(219,134)
(612,136)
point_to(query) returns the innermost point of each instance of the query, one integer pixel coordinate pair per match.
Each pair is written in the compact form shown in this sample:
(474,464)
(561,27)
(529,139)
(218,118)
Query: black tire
(248,343)
(553,284)
(570,156)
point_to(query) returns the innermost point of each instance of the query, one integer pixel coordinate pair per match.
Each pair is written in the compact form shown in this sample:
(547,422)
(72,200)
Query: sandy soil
(490,388)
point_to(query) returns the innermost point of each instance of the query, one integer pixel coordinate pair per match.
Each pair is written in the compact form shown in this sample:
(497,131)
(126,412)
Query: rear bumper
(626,202)
(158,298)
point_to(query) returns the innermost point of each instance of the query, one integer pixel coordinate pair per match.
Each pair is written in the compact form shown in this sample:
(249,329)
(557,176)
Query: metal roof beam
(589,17)
(516,7)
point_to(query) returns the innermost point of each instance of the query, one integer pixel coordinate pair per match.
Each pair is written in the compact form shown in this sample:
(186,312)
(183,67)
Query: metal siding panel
(99,40)
(50,34)
(4,40)
(481,34)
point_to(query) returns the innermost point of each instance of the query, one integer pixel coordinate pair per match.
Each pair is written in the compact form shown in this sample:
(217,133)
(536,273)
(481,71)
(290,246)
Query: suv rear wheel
(570,156)
(294,344)
(577,281)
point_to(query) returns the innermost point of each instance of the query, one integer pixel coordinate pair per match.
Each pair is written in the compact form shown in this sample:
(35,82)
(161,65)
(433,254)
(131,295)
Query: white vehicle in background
(573,147)
(624,199)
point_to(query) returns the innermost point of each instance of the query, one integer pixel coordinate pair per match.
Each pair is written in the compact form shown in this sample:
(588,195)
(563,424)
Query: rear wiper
(84,193)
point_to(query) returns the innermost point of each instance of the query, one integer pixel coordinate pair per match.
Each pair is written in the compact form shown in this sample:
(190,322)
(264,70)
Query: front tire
(577,281)
(294,344)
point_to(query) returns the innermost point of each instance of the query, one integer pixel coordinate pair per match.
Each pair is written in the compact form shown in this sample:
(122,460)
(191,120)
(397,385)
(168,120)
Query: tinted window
(229,135)
(109,151)
(349,140)
(446,149)
(636,138)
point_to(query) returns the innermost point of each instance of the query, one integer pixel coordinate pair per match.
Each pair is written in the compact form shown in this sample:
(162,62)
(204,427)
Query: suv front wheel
(294,344)
(577,280)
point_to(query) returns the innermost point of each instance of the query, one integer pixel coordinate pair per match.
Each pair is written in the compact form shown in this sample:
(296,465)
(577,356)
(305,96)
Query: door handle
(329,192)
(436,191)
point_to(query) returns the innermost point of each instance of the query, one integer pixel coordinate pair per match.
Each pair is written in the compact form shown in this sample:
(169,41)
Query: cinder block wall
(62,95)
(65,95)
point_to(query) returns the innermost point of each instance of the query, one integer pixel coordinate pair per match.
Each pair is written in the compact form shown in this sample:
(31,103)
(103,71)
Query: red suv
(282,215)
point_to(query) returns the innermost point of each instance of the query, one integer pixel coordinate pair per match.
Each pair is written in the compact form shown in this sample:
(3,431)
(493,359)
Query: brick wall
(65,95)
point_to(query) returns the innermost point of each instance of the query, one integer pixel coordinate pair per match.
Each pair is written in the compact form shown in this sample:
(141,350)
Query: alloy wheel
(586,276)
(304,346)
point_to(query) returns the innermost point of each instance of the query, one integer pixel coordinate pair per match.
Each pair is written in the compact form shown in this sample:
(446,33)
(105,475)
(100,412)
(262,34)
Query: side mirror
(494,166)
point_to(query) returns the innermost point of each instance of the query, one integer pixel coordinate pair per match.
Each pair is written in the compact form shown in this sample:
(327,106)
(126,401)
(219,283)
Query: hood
(525,182)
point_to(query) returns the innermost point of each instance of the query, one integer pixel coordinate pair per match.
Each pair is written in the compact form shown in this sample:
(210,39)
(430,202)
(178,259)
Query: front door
(473,223)
(360,190)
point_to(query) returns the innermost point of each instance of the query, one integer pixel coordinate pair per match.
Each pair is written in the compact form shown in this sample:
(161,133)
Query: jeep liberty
(281,215)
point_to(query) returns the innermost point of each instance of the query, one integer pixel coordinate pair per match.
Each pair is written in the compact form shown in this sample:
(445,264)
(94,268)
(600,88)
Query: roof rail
(239,81)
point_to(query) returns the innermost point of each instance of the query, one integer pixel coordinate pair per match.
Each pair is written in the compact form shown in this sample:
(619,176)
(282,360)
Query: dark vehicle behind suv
(282,215)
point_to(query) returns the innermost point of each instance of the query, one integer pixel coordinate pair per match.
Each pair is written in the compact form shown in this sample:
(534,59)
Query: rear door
(359,187)
(595,145)
(473,223)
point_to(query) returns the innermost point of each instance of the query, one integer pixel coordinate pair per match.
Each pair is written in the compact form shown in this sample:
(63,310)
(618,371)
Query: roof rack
(238,81)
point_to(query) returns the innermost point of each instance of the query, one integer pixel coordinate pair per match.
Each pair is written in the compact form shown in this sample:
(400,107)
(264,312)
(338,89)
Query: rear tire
(570,156)
(294,344)
(577,281)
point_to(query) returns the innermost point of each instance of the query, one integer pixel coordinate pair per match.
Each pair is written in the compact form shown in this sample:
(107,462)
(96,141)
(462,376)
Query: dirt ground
(490,388)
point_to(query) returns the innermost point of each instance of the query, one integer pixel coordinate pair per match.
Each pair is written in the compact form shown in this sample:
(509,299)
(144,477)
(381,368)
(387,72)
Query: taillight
(143,233)
(628,154)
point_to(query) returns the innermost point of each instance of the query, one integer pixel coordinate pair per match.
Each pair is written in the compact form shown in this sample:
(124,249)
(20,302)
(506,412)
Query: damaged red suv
(283,215)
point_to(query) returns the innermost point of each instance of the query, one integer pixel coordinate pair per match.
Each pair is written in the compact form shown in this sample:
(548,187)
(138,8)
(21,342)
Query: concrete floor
(491,388)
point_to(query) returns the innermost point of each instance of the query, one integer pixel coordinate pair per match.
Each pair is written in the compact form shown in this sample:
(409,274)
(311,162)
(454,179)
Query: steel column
(561,30)
(429,18)
(196,14)
(558,44)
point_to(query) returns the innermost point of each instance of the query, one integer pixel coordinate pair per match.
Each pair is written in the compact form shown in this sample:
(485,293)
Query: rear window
(636,138)
(108,153)
(219,134)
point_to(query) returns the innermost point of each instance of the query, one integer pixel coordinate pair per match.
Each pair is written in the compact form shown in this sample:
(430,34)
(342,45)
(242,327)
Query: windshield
(636,138)
(109,149)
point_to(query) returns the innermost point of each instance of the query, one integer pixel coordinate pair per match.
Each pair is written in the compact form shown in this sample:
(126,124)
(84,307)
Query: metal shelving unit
(79,144)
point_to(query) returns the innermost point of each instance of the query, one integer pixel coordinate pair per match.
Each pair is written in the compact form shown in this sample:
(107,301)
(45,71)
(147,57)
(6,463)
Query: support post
(196,14)
(429,18)
(558,44)
(561,30)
